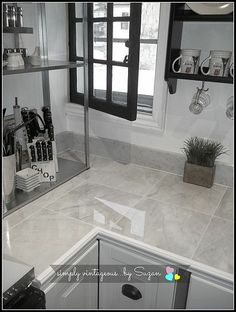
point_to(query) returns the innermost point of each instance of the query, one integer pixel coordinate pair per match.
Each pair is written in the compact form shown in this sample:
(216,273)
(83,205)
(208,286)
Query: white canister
(8,180)
(15,60)
(189,61)
(219,62)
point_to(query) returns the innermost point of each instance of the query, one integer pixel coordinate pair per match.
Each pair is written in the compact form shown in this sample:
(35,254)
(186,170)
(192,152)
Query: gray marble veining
(42,238)
(58,192)
(173,190)
(216,246)
(19,216)
(157,159)
(129,178)
(225,208)
(88,200)
(164,225)
(224,174)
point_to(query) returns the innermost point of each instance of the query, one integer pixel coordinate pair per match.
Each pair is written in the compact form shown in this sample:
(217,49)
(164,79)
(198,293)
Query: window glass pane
(121,9)
(99,80)
(147,68)
(100,41)
(119,86)
(78,10)
(80,79)
(120,36)
(148,51)
(150,20)
(99,9)
(79,39)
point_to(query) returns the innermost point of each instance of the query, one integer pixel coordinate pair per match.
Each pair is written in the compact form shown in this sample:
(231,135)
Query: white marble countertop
(151,207)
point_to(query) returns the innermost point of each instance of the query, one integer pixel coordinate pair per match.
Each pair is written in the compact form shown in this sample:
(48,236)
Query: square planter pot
(199,175)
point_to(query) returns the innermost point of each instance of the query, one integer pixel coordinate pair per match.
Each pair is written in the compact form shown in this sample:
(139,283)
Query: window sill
(143,123)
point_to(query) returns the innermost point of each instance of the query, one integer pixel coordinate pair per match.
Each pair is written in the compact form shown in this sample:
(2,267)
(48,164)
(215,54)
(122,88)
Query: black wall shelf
(190,16)
(200,77)
(18,30)
(177,17)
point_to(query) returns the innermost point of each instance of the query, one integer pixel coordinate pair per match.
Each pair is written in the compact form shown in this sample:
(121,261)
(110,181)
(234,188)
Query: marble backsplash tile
(128,153)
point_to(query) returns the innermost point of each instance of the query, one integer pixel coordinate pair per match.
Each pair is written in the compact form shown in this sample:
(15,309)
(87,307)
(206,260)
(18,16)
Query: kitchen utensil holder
(48,166)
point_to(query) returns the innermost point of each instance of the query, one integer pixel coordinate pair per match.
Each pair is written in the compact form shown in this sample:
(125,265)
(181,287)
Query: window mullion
(90,48)
(109,50)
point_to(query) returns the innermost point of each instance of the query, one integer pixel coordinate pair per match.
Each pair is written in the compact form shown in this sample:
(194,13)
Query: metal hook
(202,88)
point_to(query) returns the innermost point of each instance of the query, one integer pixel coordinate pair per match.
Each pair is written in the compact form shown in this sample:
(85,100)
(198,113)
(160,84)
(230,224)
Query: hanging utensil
(225,62)
(200,100)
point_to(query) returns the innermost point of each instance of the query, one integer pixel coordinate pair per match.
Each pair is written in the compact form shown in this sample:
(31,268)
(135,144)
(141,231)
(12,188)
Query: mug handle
(204,61)
(231,69)
(173,64)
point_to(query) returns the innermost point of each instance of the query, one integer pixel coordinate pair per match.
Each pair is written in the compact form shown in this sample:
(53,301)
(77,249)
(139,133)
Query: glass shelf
(18,30)
(45,65)
(67,170)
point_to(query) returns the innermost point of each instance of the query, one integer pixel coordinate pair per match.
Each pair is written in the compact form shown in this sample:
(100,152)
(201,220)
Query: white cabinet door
(207,295)
(75,295)
(154,295)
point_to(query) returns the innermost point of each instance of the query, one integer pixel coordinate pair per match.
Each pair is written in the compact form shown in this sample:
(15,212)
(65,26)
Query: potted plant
(200,164)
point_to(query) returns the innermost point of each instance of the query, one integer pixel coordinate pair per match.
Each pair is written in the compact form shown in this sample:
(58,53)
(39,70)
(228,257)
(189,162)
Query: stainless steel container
(6,15)
(12,16)
(19,17)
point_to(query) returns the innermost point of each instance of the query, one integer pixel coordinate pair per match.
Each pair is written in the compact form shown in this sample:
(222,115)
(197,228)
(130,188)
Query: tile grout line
(201,237)
(221,218)
(73,218)
(60,196)
(37,205)
(142,166)
(219,203)
(26,218)
(113,187)
(138,201)
(204,232)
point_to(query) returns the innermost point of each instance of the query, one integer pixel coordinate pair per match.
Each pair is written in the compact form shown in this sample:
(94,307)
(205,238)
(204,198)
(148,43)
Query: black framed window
(113,56)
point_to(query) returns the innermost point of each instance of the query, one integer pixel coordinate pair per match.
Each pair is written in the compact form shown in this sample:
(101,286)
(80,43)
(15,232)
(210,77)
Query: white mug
(15,59)
(218,63)
(189,61)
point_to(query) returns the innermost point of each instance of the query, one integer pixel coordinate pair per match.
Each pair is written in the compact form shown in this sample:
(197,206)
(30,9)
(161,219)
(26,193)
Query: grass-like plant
(202,152)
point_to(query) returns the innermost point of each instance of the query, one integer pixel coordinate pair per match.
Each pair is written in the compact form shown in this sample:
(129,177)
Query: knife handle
(51,132)
(50,152)
(32,152)
(44,149)
(39,151)
(25,117)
